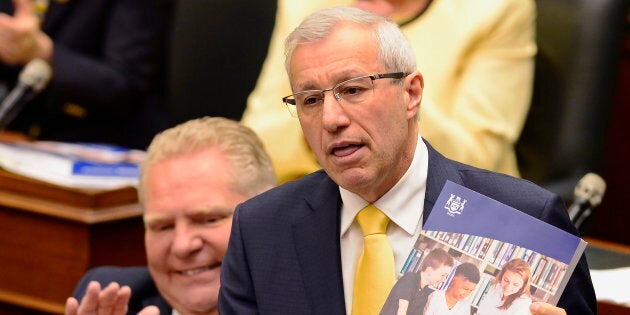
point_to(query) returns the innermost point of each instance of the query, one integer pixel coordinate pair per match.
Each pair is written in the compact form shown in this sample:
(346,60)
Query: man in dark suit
(193,177)
(109,67)
(296,249)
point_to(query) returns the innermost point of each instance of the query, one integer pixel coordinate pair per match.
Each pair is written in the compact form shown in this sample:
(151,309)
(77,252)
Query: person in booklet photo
(510,292)
(410,293)
(452,301)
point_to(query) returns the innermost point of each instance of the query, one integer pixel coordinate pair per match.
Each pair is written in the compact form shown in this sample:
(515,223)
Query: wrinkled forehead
(341,33)
(345,54)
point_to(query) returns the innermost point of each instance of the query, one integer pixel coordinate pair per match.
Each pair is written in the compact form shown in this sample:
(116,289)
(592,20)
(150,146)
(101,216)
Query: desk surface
(606,255)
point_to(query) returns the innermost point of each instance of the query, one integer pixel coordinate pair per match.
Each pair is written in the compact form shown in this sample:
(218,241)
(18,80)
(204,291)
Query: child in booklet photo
(453,300)
(510,290)
(410,293)
(474,275)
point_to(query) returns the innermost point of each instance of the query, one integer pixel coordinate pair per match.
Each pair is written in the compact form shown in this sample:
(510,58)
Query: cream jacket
(477,59)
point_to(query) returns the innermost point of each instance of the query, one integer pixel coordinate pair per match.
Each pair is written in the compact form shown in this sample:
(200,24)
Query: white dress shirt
(403,204)
(437,305)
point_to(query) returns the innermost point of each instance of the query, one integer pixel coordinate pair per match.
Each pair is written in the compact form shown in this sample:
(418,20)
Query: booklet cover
(480,256)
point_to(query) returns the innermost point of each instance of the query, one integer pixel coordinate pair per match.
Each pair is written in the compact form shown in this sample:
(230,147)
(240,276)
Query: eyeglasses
(353,91)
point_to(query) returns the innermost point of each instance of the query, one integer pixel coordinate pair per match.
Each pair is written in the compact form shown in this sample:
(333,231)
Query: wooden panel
(76,197)
(50,238)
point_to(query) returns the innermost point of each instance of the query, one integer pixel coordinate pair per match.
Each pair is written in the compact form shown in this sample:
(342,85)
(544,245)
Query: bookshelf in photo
(489,255)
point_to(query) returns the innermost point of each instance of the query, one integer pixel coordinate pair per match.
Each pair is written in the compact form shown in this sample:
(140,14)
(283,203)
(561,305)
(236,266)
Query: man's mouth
(345,150)
(196,271)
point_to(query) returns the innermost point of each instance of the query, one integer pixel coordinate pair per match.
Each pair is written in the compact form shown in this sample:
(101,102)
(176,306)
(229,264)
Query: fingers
(107,299)
(72,306)
(111,300)
(540,308)
(122,301)
(23,8)
(150,310)
(89,303)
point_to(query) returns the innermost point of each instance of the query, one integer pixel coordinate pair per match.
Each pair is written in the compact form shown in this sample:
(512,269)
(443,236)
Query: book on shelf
(475,229)
(77,165)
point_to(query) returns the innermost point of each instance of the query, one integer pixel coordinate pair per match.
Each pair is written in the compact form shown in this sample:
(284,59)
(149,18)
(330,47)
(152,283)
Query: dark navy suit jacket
(284,252)
(143,290)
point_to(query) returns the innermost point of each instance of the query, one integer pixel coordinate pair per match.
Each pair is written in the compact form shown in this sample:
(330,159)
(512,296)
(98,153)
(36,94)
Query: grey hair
(251,167)
(394,50)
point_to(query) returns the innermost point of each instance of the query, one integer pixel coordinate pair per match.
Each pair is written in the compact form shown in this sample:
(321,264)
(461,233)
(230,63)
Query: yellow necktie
(375,272)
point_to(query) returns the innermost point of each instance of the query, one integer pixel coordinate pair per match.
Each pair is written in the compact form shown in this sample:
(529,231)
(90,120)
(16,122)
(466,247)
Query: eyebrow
(341,77)
(156,218)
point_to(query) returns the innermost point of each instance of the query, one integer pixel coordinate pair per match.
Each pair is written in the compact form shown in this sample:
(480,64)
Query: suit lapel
(440,170)
(317,235)
(318,250)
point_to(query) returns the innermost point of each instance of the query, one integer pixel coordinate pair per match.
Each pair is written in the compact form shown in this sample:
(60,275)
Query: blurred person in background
(108,59)
(477,58)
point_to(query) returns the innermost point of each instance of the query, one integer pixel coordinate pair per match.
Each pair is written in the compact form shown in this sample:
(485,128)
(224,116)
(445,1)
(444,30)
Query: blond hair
(251,168)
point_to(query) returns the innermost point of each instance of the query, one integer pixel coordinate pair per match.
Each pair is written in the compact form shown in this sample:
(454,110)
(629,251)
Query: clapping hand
(21,39)
(111,300)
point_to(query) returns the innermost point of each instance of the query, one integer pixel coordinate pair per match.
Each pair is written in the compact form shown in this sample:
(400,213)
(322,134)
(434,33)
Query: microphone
(588,193)
(32,80)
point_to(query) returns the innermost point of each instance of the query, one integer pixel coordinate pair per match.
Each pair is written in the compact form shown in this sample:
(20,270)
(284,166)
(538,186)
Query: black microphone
(588,193)
(32,80)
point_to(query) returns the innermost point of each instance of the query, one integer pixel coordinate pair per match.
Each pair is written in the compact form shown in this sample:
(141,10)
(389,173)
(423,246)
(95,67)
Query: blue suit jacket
(284,252)
(143,290)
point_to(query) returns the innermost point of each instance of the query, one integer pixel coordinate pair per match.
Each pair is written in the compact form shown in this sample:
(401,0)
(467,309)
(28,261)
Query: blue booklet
(518,259)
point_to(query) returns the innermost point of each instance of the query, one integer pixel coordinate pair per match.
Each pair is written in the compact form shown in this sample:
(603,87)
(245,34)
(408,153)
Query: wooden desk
(50,236)
(606,255)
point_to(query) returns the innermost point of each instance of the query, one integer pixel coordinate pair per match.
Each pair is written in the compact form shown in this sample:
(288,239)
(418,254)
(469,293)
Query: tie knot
(372,220)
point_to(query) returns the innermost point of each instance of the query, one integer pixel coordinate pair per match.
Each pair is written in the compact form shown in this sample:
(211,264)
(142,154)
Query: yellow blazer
(477,59)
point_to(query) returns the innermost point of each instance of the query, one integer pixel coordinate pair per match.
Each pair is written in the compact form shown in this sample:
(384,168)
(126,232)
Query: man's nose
(187,240)
(334,114)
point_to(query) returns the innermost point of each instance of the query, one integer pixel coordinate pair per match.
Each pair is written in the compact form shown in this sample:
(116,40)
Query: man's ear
(414,84)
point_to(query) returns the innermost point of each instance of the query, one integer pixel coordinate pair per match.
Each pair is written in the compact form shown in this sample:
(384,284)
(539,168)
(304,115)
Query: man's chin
(351,178)
(204,305)
(201,300)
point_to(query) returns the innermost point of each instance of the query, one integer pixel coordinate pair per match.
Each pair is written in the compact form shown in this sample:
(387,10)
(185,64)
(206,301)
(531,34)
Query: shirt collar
(403,204)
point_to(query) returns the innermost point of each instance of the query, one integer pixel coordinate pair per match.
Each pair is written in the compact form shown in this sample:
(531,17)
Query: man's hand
(112,300)
(541,308)
(21,39)
(150,310)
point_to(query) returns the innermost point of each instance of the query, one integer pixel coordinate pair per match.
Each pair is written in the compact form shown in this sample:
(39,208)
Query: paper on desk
(72,165)
(612,285)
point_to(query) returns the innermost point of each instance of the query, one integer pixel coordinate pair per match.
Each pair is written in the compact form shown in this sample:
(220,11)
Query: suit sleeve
(129,59)
(579,295)
(237,294)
